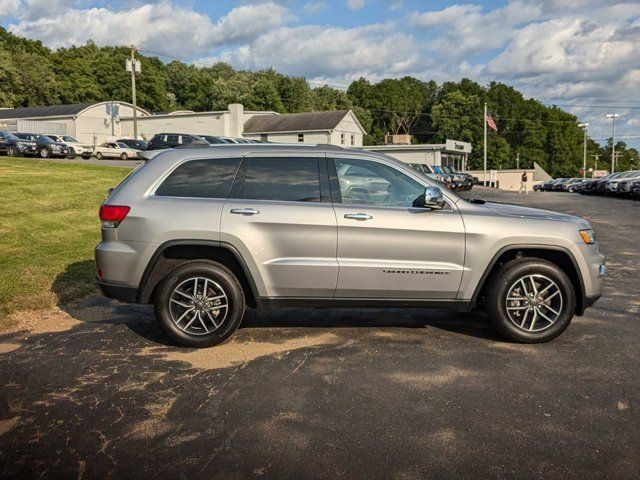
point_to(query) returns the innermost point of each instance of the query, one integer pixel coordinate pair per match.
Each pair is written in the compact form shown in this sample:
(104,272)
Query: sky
(583,55)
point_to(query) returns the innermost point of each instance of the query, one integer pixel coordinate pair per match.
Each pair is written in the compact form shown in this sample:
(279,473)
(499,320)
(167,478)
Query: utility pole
(613,117)
(585,127)
(484,153)
(596,156)
(133,66)
(518,161)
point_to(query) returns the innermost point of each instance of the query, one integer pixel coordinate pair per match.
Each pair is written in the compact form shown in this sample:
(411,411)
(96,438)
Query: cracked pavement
(97,391)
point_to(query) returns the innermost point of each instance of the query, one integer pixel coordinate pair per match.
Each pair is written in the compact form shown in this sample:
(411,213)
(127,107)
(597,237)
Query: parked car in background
(541,187)
(16,147)
(45,146)
(115,150)
(383,236)
(570,185)
(75,147)
(611,187)
(163,141)
(635,189)
(135,144)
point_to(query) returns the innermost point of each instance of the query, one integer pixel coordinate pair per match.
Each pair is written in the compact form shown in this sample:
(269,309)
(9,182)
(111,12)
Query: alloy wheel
(198,306)
(534,303)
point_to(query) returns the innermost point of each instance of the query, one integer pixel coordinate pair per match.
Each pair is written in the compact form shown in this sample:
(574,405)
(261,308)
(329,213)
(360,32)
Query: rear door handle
(245,211)
(358,216)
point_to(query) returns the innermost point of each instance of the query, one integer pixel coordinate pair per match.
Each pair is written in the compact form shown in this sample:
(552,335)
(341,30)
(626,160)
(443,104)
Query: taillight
(112,215)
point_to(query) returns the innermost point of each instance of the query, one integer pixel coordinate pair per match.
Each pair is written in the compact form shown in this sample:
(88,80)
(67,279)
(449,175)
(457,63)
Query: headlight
(587,236)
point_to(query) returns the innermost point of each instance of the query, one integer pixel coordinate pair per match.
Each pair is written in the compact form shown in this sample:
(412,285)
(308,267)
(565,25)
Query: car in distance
(115,150)
(163,141)
(135,144)
(45,146)
(75,147)
(202,233)
(16,147)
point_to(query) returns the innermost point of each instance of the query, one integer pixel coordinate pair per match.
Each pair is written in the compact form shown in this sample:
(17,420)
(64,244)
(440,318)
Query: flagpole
(485,143)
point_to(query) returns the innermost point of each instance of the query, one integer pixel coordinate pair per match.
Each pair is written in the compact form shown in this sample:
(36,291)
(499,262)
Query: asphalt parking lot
(97,391)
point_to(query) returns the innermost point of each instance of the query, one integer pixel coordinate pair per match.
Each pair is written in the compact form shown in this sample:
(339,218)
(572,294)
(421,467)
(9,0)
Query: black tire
(99,156)
(44,152)
(12,151)
(86,156)
(124,156)
(222,279)
(72,154)
(507,277)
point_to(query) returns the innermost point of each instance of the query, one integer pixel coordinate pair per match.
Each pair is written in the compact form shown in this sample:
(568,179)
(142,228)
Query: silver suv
(205,232)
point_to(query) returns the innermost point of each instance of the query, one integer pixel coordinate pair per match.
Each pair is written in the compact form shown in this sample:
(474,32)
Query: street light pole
(613,117)
(584,126)
(133,66)
(596,156)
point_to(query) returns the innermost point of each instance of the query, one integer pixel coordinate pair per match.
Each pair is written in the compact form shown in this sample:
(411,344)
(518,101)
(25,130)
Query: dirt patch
(238,352)
(8,347)
(8,425)
(443,376)
(156,424)
(43,321)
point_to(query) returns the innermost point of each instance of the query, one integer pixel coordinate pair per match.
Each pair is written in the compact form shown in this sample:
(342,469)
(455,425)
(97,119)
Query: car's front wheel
(200,304)
(531,300)
(123,156)
(72,154)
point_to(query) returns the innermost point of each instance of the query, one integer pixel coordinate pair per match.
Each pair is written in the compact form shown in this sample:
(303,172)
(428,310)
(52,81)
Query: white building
(108,121)
(336,127)
(453,153)
(88,123)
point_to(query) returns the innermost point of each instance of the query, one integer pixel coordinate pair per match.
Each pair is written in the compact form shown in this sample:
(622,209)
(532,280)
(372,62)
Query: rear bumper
(122,293)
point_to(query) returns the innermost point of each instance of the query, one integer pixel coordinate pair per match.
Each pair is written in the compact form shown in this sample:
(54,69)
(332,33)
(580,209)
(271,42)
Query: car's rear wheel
(12,151)
(200,304)
(99,156)
(44,152)
(531,300)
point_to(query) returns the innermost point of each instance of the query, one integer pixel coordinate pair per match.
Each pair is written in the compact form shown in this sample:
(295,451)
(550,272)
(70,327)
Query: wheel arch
(557,255)
(170,255)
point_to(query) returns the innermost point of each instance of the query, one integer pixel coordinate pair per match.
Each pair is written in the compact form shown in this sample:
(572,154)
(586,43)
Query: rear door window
(210,178)
(292,179)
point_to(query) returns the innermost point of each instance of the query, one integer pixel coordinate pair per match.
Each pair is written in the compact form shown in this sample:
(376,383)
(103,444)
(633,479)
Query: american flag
(491,123)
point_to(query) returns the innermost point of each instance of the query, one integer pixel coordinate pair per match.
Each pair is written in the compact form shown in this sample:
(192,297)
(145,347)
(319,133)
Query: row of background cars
(447,176)
(65,146)
(621,184)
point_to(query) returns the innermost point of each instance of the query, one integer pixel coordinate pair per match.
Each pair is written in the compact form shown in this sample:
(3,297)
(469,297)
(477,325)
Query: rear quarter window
(210,178)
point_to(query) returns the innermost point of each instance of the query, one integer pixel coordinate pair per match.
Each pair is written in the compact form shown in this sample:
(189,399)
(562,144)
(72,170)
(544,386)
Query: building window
(264,137)
(342,139)
(353,140)
(300,137)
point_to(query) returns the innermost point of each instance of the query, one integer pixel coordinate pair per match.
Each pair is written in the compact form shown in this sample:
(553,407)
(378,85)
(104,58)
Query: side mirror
(433,198)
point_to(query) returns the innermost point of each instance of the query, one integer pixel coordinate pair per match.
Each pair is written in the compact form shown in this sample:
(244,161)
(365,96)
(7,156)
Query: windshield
(67,138)
(44,139)
(123,145)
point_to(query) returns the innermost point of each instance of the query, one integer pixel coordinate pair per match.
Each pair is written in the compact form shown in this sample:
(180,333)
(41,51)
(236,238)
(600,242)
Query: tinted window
(172,139)
(201,178)
(288,179)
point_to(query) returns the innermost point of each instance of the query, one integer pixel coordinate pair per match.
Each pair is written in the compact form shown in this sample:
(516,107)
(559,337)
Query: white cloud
(318,51)
(9,8)
(355,4)
(162,26)
(464,29)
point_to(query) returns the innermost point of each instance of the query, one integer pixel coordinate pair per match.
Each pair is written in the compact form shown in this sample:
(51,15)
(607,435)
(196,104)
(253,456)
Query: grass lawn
(48,228)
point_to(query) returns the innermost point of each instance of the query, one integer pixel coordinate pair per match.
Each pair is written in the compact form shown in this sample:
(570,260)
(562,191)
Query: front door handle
(245,211)
(358,216)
